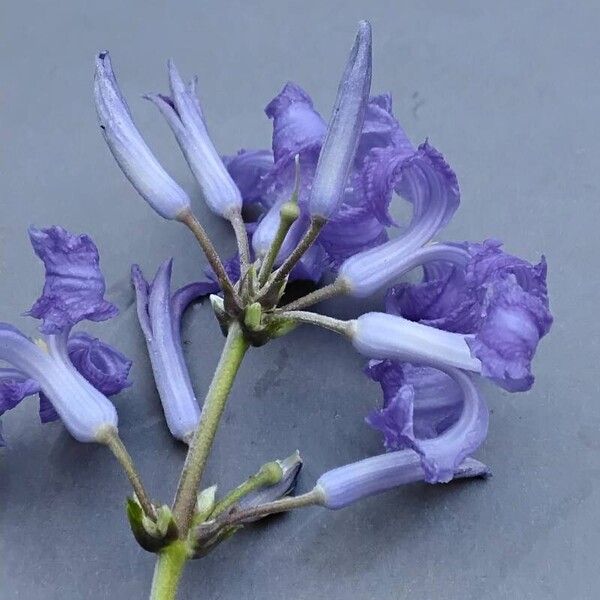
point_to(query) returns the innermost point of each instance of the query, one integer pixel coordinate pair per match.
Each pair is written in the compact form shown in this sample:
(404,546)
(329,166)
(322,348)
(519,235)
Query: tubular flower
(132,154)
(184,115)
(434,459)
(343,134)
(498,301)
(159,314)
(72,373)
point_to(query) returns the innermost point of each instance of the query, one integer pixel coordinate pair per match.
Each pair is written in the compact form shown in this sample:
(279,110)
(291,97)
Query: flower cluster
(73,373)
(477,309)
(319,206)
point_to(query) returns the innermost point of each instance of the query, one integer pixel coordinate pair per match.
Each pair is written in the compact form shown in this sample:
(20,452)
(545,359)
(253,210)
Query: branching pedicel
(325,194)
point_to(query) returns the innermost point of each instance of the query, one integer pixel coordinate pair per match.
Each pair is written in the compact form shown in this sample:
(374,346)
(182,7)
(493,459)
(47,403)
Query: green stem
(168,571)
(269,474)
(189,219)
(288,214)
(312,498)
(214,405)
(279,276)
(339,286)
(310,318)
(241,236)
(110,437)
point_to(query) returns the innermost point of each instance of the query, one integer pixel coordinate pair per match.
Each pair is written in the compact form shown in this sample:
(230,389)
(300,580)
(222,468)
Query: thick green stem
(168,571)
(214,405)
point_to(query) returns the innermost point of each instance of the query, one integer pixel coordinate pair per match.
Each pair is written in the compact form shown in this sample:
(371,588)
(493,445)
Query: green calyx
(151,535)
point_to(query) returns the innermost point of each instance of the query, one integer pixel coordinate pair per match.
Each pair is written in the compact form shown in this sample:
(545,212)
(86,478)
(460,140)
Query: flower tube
(159,314)
(184,115)
(435,460)
(345,127)
(132,154)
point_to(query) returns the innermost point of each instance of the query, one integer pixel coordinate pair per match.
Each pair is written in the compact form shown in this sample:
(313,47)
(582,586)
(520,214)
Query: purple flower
(184,115)
(385,163)
(159,314)
(500,301)
(74,286)
(247,168)
(103,366)
(439,456)
(85,412)
(345,127)
(130,150)
(73,374)
(426,180)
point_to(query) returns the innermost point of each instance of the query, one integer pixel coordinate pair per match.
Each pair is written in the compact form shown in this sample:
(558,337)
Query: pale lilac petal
(441,450)
(248,169)
(381,129)
(297,127)
(506,342)
(430,185)
(343,134)
(478,289)
(160,314)
(14,387)
(85,412)
(74,287)
(184,115)
(381,336)
(129,149)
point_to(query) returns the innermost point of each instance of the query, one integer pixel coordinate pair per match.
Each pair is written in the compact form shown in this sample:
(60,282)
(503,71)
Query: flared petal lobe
(74,286)
(500,301)
(424,179)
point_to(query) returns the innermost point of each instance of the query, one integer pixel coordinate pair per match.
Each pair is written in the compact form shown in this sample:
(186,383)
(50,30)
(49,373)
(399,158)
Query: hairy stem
(110,437)
(189,219)
(269,474)
(214,405)
(329,291)
(285,222)
(242,239)
(310,318)
(312,498)
(168,571)
(290,262)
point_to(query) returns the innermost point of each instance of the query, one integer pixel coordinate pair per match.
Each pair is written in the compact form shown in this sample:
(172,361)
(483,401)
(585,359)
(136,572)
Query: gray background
(510,92)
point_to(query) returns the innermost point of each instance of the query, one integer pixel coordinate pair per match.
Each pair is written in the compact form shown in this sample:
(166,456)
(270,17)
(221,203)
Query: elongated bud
(345,485)
(184,115)
(129,149)
(379,335)
(345,127)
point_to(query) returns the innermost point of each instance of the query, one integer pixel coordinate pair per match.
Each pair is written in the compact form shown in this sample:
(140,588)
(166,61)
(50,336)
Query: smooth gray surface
(509,91)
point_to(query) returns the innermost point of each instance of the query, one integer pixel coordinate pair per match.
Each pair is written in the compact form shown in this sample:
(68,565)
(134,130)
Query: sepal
(152,536)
